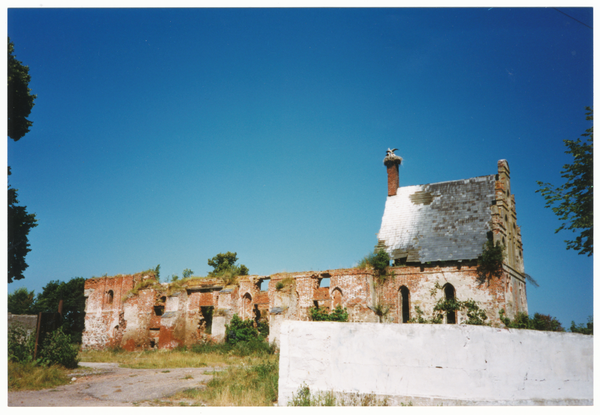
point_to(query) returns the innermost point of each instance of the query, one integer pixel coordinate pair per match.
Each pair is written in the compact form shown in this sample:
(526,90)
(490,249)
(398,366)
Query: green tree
(574,201)
(21,301)
(20,100)
(223,263)
(187,273)
(19,224)
(583,328)
(71,293)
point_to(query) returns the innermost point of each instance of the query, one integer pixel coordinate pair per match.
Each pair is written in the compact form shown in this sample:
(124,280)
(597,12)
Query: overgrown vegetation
(379,261)
(249,378)
(444,306)
(304,397)
(587,328)
(322,314)
(246,385)
(225,268)
(56,349)
(489,264)
(28,376)
(542,322)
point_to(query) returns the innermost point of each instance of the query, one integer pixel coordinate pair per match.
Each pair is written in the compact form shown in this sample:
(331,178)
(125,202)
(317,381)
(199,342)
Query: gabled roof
(439,221)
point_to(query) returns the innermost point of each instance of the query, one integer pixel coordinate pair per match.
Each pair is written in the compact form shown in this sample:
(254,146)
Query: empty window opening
(264,284)
(110,296)
(207,317)
(399,262)
(316,304)
(324,282)
(159,310)
(450,294)
(405,303)
(154,336)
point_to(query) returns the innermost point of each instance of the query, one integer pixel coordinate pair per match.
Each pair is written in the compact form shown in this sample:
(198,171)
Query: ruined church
(434,234)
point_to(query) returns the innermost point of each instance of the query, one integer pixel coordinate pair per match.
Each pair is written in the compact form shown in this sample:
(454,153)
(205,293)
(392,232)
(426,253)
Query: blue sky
(166,136)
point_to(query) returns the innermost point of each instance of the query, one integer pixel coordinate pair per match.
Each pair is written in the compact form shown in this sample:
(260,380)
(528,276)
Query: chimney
(392,161)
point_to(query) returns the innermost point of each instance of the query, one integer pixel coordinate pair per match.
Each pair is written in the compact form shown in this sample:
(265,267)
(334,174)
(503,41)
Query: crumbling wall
(168,316)
(433,364)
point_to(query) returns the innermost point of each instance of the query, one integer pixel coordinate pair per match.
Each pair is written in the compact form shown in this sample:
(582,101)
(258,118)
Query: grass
(248,374)
(248,384)
(304,397)
(25,376)
(157,359)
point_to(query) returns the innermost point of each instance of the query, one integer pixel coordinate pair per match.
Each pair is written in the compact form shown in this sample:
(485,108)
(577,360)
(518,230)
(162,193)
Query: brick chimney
(392,161)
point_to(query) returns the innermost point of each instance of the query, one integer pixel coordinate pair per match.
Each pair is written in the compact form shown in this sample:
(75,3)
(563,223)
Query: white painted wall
(436,364)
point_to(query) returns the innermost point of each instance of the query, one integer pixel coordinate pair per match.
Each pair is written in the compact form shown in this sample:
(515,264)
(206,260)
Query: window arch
(450,294)
(337,296)
(404,302)
(246,306)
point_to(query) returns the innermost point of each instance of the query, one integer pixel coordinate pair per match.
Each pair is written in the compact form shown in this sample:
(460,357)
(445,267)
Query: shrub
(240,330)
(57,349)
(580,328)
(21,343)
(490,262)
(541,322)
(322,314)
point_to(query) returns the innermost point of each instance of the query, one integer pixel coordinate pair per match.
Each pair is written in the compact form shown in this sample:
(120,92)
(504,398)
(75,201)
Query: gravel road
(106,384)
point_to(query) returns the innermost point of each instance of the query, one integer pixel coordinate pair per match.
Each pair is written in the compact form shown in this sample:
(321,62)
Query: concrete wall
(436,364)
(29,322)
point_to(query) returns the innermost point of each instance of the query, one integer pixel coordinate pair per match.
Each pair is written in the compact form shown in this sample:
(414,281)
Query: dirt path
(106,384)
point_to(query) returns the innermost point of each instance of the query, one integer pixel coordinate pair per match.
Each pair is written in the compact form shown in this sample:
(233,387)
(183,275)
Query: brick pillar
(392,161)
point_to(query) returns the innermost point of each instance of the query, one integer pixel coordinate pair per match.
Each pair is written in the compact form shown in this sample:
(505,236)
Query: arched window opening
(405,303)
(450,295)
(110,296)
(337,298)
(324,282)
(246,306)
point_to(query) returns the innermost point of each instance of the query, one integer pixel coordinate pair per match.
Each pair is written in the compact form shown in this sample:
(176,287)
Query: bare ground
(106,384)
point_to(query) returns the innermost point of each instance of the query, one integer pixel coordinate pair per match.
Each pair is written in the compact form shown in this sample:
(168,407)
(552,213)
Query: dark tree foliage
(21,301)
(573,202)
(583,328)
(542,322)
(19,224)
(71,293)
(226,262)
(20,100)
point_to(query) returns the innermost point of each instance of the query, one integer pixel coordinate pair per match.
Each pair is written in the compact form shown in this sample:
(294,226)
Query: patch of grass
(304,397)
(26,376)
(243,385)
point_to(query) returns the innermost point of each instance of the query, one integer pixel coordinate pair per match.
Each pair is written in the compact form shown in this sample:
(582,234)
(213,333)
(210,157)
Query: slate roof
(439,221)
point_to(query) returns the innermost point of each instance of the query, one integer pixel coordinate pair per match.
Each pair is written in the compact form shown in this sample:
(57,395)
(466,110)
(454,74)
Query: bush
(580,328)
(240,330)
(57,349)
(541,322)
(21,343)
(322,314)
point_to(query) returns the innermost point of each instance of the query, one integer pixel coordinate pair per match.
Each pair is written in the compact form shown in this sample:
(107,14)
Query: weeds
(305,398)
(27,376)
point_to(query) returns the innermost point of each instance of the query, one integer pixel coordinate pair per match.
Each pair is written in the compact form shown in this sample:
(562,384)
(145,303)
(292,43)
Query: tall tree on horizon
(20,103)
(574,201)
